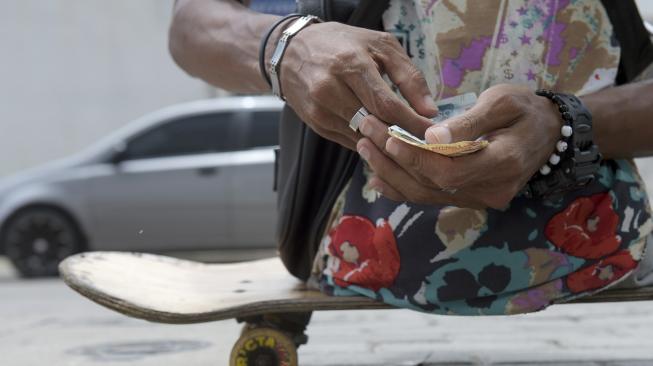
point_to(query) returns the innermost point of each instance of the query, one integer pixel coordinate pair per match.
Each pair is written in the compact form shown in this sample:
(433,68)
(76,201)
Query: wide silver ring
(356,120)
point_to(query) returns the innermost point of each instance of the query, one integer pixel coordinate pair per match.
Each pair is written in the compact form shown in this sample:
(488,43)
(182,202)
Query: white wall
(645,8)
(73,70)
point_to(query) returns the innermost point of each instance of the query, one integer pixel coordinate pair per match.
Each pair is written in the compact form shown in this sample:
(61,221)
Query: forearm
(623,120)
(218,41)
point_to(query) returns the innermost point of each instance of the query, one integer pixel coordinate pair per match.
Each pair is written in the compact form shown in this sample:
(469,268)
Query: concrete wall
(73,70)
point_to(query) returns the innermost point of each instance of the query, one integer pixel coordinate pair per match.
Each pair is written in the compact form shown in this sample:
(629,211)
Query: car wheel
(36,239)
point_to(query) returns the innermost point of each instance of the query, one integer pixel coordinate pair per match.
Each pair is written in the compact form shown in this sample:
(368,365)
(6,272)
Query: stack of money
(454,106)
(447,108)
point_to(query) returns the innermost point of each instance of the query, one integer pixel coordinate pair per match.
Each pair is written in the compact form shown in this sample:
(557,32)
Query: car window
(262,130)
(192,135)
(209,133)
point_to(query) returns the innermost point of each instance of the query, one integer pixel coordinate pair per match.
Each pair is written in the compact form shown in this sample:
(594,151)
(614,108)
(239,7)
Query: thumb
(467,126)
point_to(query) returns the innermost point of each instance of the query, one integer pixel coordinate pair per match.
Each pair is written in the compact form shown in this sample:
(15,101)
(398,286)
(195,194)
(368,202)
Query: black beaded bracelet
(577,158)
(264,43)
(566,130)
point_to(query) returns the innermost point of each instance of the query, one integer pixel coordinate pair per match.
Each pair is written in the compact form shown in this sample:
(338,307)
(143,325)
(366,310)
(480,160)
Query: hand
(330,70)
(522,129)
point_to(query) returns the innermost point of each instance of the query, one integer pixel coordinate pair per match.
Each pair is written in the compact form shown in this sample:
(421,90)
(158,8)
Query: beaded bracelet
(264,44)
(566,131)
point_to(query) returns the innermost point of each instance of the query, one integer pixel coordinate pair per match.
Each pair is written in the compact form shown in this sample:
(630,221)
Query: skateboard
(262,294)
(274,306)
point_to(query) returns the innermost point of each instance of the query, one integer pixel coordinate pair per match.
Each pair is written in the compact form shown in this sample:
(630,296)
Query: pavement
(42,321)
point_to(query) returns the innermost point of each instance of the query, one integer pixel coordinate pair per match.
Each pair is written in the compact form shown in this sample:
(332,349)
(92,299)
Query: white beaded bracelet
(566,131)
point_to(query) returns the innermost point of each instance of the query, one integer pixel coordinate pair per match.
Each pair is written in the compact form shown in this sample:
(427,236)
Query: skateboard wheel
(263,347)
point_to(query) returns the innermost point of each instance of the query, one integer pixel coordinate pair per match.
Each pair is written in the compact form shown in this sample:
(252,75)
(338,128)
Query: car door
(254,209)
(169,191)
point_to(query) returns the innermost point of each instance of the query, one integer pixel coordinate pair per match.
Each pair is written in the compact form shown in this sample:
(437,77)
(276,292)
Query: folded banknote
(447,108)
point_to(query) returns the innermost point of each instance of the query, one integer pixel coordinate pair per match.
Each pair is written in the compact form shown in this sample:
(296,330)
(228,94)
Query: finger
(425,166)
(386,190)
(378,98)
(403,73)
(481,119)
(377,132)
(337,138)
(332,127)
(464,172)
(398,179)
(337,97)
(374,129)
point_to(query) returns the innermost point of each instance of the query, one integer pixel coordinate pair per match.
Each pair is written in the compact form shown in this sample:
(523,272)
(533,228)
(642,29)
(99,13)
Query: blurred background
(77,72)
(103,146)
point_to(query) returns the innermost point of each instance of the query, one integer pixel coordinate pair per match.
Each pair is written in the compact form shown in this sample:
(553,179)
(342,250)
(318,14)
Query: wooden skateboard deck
(260,293)
(168,290)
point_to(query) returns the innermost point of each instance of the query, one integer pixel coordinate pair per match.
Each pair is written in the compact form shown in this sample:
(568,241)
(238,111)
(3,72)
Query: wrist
(576,158)
(277,56)
(267,44)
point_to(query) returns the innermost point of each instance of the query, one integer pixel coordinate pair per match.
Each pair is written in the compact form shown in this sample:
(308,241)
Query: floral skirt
(450,260)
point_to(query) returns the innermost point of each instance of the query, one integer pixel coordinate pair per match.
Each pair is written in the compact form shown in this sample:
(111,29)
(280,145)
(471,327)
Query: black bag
(312,171)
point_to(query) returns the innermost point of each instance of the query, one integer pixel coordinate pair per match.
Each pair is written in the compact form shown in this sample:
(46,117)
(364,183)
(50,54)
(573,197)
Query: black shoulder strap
(312,171)
(634,39)
(369,14)
(361,13)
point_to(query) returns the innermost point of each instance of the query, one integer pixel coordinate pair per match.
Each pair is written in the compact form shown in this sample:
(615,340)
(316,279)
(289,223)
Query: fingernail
(438,135)
(429,102)
(365,128)
(391,147)
(364,153)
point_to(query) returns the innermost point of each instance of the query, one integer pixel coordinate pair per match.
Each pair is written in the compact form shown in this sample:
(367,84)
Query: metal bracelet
(275,63)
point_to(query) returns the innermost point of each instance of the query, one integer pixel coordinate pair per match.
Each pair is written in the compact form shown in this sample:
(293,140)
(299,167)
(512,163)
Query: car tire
(37,239)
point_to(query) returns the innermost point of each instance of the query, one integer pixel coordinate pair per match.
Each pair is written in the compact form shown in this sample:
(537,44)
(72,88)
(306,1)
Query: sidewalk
(44,320)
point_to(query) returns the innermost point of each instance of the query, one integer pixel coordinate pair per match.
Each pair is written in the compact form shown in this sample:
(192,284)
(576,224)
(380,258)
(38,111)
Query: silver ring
(356,120)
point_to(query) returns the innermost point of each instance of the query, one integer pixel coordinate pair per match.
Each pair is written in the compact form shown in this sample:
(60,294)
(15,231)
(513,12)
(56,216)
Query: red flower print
(367,254)
(602,273)
(586,228)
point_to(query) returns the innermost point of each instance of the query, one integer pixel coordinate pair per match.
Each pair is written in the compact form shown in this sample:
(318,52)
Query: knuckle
(412,76)
(387,39)
(314,115)
(448,181)
(469,124)
(345,61)
(416,162)
(513,162)
(509,103)
(319,89)
(505,100)
(387,105)
(498,200)
(415,75)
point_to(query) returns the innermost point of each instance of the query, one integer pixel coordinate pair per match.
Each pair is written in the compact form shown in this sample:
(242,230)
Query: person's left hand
(522,129)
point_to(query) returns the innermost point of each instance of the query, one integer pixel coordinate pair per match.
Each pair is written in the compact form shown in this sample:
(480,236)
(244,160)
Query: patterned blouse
(450,260)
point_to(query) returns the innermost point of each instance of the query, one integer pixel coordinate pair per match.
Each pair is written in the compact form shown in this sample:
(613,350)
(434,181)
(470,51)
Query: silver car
(194,176)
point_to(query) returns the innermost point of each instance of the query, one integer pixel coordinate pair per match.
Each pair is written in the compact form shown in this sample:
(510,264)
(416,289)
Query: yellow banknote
(455,149)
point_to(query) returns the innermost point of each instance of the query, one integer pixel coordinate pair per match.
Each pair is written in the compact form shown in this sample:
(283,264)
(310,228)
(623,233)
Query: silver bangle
(275,63)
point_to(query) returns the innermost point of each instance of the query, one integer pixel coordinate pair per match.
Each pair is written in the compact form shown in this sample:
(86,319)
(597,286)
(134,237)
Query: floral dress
(450,260)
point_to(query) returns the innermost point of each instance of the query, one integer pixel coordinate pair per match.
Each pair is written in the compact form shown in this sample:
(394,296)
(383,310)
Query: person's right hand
(331,69)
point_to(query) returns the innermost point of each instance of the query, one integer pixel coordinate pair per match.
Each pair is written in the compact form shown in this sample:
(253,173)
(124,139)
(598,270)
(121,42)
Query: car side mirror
(118,154)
